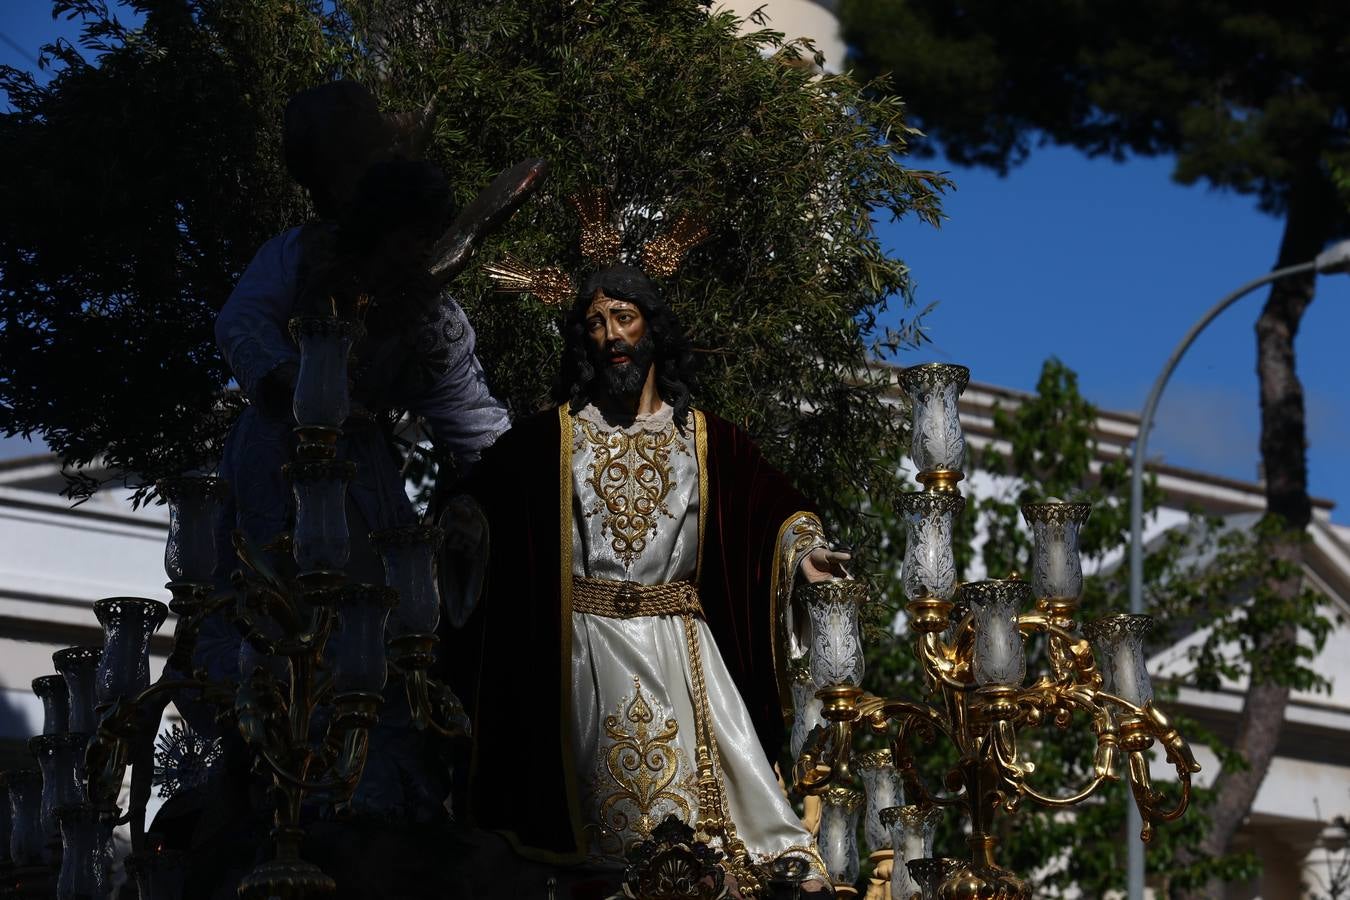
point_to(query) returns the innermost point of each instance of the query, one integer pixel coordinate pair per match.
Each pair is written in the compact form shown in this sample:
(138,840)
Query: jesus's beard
(624,381)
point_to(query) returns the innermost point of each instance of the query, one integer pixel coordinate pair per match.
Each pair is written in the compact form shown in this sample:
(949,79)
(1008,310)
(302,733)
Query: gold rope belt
(627,599)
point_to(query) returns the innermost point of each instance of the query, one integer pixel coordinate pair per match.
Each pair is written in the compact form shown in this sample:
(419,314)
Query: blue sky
(1107,265)
(1103,264)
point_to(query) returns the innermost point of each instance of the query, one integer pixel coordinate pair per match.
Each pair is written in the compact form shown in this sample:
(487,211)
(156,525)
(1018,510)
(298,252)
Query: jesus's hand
(822,564)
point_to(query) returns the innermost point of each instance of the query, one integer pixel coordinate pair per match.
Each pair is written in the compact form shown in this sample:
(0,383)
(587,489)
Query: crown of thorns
(600,242)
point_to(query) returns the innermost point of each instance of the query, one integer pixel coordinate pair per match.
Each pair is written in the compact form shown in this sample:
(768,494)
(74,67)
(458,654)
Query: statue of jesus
(637,623)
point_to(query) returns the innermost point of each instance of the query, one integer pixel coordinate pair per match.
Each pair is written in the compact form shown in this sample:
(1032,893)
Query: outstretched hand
(822,564)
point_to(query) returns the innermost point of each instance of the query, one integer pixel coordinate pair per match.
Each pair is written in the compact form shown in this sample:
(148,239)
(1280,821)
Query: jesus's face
(620,347)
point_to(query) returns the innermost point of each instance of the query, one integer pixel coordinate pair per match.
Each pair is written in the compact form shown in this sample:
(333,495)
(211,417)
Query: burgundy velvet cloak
(506,663)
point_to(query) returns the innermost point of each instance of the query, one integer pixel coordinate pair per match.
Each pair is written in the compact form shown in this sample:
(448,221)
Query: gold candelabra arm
(927,723)
(1070,654)
(434,706)
(813,772)
(943,663)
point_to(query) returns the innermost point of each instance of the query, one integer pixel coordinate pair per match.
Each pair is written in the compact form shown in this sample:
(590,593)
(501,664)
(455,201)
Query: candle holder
(321,542)
(881,790)
(929,570)
(190,550)
(124,664)
(838,838)
(836,640)
(939,445)
(409,555)
(27,841)
(321,402)
(932,874)
(60,758)
(79,667)
(911,829)
(974,672)
(999,659)
(86,862)
(1119,640)
(358,640)
(51,690)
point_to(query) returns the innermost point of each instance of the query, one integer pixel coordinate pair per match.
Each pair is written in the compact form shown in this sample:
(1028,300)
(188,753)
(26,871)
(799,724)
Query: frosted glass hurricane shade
(910,829)
(1119,641)
(836,639)
(358,644)
(1057,567)
(999,658)
(51,690)
(937,441)
(190,548)
(79,666)
(321,393)
(881,790)
(929,568)
(838,837)
(409,556)
(124,666)
(321,541)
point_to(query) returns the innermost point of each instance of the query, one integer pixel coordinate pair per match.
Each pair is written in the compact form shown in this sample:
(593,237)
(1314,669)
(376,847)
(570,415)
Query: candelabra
(314,652)
(970,643)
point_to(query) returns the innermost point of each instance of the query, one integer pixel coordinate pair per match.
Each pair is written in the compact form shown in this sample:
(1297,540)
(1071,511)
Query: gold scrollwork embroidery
(631,476)
(644,771)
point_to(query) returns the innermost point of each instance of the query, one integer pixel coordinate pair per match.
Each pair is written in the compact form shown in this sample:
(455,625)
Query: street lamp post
(1335,259)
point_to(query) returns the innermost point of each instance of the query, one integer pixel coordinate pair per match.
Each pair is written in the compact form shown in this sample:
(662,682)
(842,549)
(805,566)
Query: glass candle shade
(910,829)
(190,550)
(26,839)
(1000,659)
(1057,568)
(320,540)
(159,874)
(838,838)
(1119,641)
(321,396)
(124,668)
(86,859)
(805,706)
(929,873)
(79,666)
(51,690)
(937,442)
(881,790)
(61,759)
(409,556)
(358,644)
(836,641)
(929,569)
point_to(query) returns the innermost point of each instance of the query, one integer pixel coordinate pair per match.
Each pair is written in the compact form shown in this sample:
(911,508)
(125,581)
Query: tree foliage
(170,133)
(1247,98)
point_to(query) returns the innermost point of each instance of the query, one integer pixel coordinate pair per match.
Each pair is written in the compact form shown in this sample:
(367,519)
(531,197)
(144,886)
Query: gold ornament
(600,240)
(550,284)
(663,254)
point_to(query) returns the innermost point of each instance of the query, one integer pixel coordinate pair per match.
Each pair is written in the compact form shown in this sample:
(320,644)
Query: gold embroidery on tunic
(631,476)
(642,770)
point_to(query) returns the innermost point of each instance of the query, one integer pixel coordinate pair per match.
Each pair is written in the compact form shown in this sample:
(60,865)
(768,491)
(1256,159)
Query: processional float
(317,648)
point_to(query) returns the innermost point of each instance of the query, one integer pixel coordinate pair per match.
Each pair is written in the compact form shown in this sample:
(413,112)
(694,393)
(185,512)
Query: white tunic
(635,512)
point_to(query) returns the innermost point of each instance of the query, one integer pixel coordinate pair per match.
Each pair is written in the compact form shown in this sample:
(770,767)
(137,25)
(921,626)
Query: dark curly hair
(675,363)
